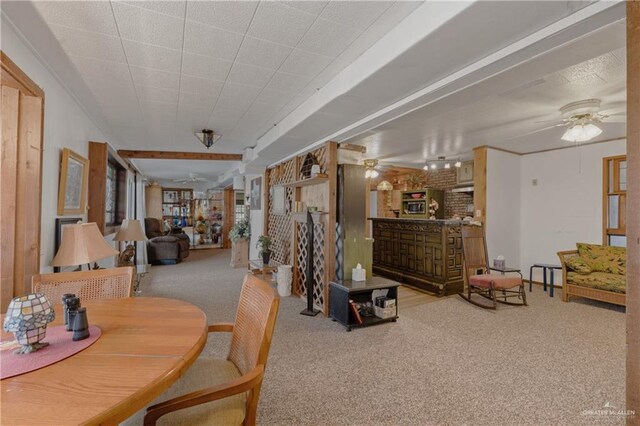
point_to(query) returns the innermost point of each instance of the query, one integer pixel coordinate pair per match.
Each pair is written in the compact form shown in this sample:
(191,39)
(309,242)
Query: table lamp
(130,230)
(82,243)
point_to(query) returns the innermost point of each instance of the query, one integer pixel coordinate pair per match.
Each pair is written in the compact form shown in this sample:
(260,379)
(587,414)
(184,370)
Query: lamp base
(27,349)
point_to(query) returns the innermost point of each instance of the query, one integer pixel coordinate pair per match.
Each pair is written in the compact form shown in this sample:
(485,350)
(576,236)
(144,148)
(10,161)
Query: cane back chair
(87,285)
(222,391)
(498,288)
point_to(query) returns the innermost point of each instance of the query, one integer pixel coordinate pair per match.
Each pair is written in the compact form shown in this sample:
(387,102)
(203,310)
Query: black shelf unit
(359,291)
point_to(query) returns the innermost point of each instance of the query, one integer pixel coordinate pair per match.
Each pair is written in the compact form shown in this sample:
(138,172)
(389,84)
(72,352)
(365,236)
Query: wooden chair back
(474,249)
(254,324)
(87,285)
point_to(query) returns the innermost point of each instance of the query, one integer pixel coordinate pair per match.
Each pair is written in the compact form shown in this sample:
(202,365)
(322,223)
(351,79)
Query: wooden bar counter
(419,252)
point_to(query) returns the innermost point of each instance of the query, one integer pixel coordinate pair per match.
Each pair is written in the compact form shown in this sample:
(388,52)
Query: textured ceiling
(514,110)
(160,70)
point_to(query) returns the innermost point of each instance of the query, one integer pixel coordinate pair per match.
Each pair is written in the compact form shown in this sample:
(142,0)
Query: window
(116,196)
(614,200)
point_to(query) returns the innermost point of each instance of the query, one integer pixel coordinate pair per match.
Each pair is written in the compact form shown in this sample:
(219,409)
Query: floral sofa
(594,272)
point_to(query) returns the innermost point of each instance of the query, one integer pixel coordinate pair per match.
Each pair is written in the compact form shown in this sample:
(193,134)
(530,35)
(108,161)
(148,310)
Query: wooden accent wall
(480,181)
(633,211)
(98,158)
(20,180)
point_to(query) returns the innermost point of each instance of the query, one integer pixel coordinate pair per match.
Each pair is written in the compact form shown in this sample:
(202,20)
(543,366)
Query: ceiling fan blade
(540,130)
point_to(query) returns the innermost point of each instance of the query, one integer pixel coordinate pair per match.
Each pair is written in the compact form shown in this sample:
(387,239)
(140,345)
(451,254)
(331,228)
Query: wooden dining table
(146,345)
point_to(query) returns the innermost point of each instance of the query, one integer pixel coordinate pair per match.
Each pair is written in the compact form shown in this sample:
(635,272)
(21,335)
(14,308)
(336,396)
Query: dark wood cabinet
(342,292)
(423,253)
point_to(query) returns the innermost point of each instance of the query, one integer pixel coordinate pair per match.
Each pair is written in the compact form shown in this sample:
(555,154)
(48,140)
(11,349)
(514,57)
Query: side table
(256,266)
(544,267)
(341,292)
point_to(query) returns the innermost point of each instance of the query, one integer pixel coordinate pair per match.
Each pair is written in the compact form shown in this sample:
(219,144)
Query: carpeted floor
(446,362)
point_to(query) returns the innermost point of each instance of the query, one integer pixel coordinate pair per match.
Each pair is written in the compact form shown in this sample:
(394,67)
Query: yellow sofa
(594,272)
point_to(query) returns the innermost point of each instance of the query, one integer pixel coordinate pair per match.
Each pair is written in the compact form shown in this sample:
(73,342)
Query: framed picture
(256,193)
(74,178)
(61,223)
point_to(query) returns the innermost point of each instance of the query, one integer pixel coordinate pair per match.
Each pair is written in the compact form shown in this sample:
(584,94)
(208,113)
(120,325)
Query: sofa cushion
(599,280)
(604,258)
(579,265)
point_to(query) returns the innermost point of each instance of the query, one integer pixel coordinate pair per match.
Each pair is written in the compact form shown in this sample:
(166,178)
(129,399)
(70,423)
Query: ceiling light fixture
(441,161)
(581,132)
(371,172)
(207,137)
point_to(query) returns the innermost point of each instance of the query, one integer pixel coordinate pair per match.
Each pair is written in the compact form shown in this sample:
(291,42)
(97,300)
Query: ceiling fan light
(447,165)
(581,132)
(434,166)
(374,174)
(367,174)
(426,167)
(458,163)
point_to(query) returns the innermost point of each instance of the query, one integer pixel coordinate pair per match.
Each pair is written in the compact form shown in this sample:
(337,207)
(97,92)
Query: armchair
(164,249)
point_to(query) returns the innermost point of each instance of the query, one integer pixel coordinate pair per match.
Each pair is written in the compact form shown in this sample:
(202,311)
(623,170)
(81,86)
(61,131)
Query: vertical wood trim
(8,157)
(229,215)
(330,229)
(605,201)
(633,211)
(480,181)
(98,158)
(265,205)
(30,152)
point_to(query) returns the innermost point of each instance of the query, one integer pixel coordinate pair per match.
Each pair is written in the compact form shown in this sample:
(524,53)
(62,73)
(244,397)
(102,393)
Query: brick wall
(454,202)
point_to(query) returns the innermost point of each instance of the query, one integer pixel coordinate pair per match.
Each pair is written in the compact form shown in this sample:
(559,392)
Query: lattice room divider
(280,225)
(290,237)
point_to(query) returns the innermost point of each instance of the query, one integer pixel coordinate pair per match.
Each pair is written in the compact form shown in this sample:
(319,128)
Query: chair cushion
(604,258)
(495,280)
(579,265)
(599,280)
(204,373)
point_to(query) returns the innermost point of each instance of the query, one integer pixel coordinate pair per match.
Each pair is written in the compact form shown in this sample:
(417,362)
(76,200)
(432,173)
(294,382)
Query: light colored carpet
(446,362)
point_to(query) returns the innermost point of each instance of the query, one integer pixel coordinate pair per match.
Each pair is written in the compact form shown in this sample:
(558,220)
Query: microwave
(415,207)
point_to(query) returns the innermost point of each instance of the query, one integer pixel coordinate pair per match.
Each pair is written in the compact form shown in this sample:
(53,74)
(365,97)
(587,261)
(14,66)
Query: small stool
(544,267)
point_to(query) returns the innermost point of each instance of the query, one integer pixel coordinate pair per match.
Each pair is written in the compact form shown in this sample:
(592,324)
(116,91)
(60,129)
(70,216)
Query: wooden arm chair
(227,390)
(478,279)
(87,285)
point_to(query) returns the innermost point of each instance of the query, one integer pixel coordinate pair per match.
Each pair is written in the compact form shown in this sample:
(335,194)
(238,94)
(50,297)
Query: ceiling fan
(193,177)
(581,119)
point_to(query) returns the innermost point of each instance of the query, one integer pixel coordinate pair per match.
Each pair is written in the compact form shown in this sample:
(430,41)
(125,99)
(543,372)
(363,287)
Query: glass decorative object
(27,318)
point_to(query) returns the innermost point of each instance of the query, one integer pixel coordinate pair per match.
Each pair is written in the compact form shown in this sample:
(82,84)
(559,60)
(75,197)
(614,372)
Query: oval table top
(146,345)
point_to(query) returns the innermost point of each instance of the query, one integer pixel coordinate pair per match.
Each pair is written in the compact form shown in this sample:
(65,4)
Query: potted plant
(239,236)
(264,244)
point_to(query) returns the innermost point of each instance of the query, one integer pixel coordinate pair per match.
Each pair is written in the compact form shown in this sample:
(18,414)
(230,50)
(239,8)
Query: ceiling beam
(177,155)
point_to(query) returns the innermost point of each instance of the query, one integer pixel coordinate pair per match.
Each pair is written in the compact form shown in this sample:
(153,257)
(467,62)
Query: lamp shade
(581,132)
(130,230)
(385,185)
(82,243)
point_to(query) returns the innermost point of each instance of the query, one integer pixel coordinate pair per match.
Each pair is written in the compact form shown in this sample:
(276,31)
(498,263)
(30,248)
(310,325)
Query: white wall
(503,206)
(565,207)
(66,125)
(257,217)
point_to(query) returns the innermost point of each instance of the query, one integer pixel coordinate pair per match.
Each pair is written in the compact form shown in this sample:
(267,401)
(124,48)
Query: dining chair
(225,391)
(498,288)
(87,285)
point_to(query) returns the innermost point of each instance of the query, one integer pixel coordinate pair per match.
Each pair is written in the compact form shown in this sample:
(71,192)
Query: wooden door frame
(14,77)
